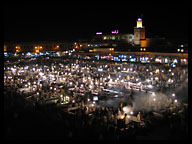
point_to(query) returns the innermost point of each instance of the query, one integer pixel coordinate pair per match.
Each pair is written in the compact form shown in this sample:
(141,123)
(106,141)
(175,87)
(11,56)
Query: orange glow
(5,48)
(37,51)
(18,49)
(145,43)
(122,117)
(139,23)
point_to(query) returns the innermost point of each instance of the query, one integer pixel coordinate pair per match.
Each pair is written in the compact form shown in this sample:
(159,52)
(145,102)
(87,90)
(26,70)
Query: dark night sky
(61,21)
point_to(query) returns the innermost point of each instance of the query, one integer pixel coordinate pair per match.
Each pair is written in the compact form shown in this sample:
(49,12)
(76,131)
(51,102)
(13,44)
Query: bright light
(156,78)
(182,50)
(166,60)
(122,117)
(150,86)
(154,99)
(100,69)
(173,94)
(153,94)
(175,101)
(40,73)
(116,96)
(178,50)
(175,61)
(126,109)
(131,112)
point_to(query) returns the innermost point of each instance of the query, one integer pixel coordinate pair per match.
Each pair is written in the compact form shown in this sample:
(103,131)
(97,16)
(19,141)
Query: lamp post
(181,50)
(38,48)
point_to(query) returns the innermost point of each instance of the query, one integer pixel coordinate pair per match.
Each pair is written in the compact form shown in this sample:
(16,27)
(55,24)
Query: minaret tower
(139,32)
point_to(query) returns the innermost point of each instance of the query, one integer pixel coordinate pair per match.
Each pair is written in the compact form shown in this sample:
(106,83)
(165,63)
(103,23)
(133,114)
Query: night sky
(72,21)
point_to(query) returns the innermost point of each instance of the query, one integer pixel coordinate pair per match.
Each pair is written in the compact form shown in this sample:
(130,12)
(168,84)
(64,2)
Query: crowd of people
(72,85)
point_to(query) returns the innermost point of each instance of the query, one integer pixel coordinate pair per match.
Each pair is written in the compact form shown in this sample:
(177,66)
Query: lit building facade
(112,42)
(37,47)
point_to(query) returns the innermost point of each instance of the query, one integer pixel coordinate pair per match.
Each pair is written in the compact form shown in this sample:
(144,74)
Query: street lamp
(142,49)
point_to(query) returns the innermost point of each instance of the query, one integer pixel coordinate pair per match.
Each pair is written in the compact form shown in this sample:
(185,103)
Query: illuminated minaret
(139,32)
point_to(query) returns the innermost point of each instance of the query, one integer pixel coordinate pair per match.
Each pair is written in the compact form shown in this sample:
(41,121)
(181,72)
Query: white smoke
(149,102)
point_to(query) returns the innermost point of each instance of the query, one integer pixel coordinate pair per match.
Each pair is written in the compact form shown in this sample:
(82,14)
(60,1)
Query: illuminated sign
(115,32)
(98,33)
(116,59)
(133,59)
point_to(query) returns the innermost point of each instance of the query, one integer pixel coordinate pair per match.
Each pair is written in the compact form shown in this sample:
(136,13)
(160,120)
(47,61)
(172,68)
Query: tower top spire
(139,23)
